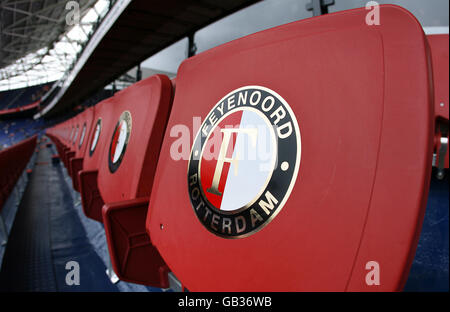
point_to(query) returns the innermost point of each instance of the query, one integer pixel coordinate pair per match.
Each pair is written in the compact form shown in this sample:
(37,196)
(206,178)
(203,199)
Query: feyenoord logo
(119,141)
(244,162)
(95,137)
(71,134)
(75,137)
(83,133)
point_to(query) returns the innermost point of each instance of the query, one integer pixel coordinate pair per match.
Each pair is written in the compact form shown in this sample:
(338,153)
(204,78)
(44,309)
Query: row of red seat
(13,161)
(12,111)
(351,108)
(86,145)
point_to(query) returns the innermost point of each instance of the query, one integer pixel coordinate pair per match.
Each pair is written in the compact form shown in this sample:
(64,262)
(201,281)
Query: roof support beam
(30,14)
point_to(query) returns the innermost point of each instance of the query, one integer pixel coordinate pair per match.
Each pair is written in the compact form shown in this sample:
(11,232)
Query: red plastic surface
(76,163)
(440,56)
(13,161)
(90,196)
(91,200)
(148,103)
(133,257)
(365,115)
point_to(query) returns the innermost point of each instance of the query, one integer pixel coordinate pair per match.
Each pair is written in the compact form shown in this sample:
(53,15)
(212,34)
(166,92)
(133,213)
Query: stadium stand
(15,130)
(334,227)
(334,196)
(193,253)
(24,96)
(22,102)
(141,110)
(76,163)
(12,163)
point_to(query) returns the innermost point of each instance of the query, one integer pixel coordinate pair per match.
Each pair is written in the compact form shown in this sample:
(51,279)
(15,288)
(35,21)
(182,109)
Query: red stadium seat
(439,53)
(76,163)
(13,161)
(63,138)
(100,135)
(70,152)
(67,140)
(124,175)
(78,121)
(340,125)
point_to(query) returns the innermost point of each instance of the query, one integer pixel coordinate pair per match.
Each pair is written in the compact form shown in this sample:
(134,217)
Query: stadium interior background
(51,70)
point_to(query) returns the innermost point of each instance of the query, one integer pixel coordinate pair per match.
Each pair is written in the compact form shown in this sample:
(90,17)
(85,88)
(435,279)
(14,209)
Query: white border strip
(436,30)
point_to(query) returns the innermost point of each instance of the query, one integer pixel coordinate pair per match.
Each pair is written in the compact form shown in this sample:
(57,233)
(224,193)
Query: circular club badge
(71,134)
(244,162)
(83,133)
(75,136)
(119,141)
(95,137)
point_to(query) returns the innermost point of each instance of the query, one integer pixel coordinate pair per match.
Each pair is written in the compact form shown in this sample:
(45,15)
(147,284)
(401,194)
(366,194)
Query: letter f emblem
(227,133)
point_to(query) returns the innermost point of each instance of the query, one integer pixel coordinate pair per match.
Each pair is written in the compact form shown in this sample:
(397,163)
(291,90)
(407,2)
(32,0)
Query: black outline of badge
(76,136)
(71,134)
(280,186)
(126,115)
(98,123)
(83,134)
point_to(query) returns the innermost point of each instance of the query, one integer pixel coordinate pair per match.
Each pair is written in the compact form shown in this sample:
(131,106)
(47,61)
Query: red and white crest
(119,141)
(83,133)
(76,135)
(244,162)
(95,136)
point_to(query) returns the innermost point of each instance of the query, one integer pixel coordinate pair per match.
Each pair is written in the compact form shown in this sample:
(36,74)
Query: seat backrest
(440,56)
(69,131)
(79,121)
(86,175)
(72,132)
(102,125)
(131,151)
(66,132)
(72,144)
(313,158)
(86,123)
(76,156)
(125,179)
(13,161)
(76,125)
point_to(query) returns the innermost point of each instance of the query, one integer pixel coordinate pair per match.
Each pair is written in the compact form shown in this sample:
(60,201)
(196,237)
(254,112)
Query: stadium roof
(131,32)
(37,44)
